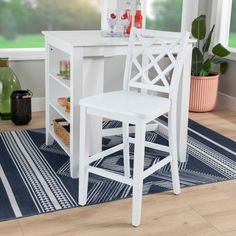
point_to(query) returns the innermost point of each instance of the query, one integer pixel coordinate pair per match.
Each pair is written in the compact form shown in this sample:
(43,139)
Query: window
(21,21)
(224,16)
(164,14)
(232,29)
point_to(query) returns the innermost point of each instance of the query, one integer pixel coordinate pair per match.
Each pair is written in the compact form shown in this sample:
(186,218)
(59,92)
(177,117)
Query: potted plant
(204,82)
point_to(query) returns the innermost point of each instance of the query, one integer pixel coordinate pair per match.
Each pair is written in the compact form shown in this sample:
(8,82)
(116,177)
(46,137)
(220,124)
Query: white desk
(86,51)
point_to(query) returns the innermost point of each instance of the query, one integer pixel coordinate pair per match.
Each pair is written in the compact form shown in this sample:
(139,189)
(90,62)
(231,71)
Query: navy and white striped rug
(35,178)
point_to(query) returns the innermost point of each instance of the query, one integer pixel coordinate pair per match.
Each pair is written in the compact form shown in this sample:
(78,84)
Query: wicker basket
(62,130)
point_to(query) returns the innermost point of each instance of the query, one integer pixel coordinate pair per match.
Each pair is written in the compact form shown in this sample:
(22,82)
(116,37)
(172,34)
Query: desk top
(85,38)
(88,38)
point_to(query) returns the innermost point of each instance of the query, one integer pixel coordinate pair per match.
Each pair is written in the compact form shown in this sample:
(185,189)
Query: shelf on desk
(60,80)
(60,110)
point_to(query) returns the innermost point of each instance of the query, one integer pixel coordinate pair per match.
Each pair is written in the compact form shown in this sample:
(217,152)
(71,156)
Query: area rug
(35,177)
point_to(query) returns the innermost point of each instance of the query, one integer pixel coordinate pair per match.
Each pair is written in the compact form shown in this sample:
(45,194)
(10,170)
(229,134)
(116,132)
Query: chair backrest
(155,61)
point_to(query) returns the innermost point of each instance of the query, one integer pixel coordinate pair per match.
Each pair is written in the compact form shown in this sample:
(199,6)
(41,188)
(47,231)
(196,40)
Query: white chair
(139,108)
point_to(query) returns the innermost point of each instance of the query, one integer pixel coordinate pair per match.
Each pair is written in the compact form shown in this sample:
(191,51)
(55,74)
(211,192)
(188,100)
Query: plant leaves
(223,67)
(199,27)
(203,73)
(223,64)
(197,60)
(220,51)
(206,45)
(207,65)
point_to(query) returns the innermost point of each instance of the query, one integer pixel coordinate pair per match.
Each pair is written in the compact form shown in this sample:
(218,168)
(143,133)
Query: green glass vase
(8,83)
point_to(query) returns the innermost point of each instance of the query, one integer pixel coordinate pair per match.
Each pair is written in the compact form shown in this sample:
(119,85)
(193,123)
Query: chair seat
(130,104)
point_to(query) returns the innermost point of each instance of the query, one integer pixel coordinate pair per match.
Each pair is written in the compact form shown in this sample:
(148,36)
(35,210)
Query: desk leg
(49,139)
(93,74)
(76,92)
(91,70)
(183,106)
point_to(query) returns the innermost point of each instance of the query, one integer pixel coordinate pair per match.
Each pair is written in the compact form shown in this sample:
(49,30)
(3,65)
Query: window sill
(232,56)
(23,54)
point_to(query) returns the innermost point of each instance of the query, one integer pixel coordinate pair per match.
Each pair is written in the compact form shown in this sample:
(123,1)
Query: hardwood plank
(10,228)
(223,221)
(232,233)
(114,219)
(37,121)
(222,121)
(228,187)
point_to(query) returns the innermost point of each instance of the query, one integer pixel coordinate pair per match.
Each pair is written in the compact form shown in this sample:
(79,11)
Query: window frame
(222,24)
(190,10)
(23,54)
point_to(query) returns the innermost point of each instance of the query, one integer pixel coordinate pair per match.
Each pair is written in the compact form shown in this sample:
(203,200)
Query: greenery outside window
(21,21)
(232,29)
(164,15)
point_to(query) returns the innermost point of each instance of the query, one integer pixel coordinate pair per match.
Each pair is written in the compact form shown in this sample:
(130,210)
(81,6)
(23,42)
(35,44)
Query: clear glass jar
(8,84)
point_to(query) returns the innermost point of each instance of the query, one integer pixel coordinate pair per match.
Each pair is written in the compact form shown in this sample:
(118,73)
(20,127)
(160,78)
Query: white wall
(228,80)
(31,75)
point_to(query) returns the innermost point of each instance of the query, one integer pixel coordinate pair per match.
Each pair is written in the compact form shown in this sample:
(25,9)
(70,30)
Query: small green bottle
(8,83)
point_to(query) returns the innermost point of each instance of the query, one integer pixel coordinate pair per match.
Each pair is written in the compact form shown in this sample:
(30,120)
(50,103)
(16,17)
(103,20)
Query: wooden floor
(202,210)
(223,122)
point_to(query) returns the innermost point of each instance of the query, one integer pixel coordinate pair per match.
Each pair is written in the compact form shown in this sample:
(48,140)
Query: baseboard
(38,104)
(226,102)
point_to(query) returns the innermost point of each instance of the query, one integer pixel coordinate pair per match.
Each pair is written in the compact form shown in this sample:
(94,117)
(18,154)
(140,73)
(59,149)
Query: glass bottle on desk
(128,16)
(138,19)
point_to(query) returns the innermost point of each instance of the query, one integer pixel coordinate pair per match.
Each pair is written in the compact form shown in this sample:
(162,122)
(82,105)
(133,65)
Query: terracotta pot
(203,93)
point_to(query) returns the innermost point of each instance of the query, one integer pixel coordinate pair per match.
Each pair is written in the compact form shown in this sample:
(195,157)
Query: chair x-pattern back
(142,47)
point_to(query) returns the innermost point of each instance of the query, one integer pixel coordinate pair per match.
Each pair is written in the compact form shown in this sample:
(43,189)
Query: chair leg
(174,153)
(138,173)
(83,158)
(126,149)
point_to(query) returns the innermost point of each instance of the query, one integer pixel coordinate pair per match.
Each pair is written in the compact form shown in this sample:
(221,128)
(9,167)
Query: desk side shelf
(56,86)
(62,145)
(60,110)
(59,79)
